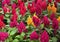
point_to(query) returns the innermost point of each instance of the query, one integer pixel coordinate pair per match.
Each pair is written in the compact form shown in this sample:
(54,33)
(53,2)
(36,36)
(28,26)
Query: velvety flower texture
(14,17)
(44,5)
(13,11)
(49,1)
(6,10)
(46,21)
(13,5)
(1,17)
(13,23)
(29,6)
(55,24)
(44,36)
(32,8)
(3,36)
(57,0)
(36,21)
(22,7)
(1,24)
(5,2)
(38,8)
(52,16)
(34,36)
(23,11)
(21,27)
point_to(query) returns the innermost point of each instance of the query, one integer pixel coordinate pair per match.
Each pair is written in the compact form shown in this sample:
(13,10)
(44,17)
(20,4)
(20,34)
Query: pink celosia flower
(49,1)
(57,0)
(29,6)
(14,17)
(52,16)
(55,3)
(3,36)
(32,10)
(13,11)
(13,23)
(36,21)
(23,11)
(44,36)
(34,36)
(21,27)
(44,5)
(46,21)
(13,5)
(6,10)
(38,9)
(1,24)
(1,17)
(55,25)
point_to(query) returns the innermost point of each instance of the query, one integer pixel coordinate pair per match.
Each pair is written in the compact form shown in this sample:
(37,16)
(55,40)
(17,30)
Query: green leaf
(22,34)
(42,26)
(7,40)
(54,39)
(18,36)
(15,40)
(13,31)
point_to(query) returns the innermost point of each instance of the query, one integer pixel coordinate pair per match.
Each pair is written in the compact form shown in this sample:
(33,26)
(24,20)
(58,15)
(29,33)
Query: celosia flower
(36,21)
(13,5)
(49,1)
(44,36)
(58,19)
(3,36)
(14,17)
(13,23)
(46,21)
(1,24)
(23,11)
(29,6)
(32,10)
(21,27)
(6,10)
(1,17)
(13,11)
(38,9)
(34,36)
(3,3)
(44,5)
(57,0)
(55,3)
(54,9)
(52,16)
(29,20)
(55,25)
(49,8)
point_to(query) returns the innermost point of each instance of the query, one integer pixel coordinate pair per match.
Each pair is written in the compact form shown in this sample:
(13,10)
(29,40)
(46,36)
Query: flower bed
(30,21)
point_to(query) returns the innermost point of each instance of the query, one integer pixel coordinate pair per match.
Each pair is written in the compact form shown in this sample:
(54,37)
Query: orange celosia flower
(58,19)
(49,8)
(54,9)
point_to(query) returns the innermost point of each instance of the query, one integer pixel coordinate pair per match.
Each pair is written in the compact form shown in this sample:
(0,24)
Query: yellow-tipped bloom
(49,8)
(35,15)
(29,20)
(58,19)
(33,25)
(54,9)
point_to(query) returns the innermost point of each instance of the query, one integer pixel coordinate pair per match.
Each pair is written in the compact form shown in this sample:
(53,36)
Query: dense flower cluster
(3,36)
(32,20)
